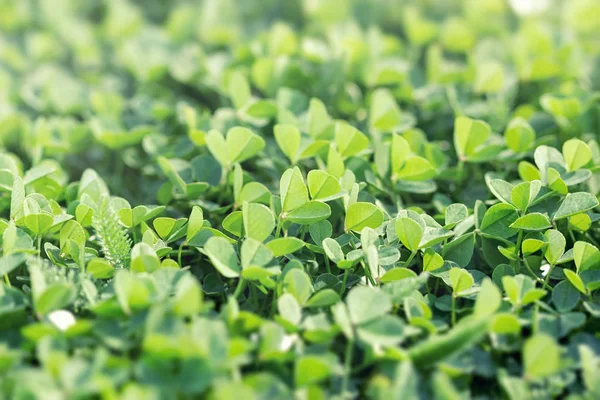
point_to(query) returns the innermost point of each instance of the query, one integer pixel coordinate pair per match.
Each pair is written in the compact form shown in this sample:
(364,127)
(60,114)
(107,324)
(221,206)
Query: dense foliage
(266,199)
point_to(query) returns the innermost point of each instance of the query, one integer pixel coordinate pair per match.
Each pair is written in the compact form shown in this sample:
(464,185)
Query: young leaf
(586,256)
(575,203)
(460,280)
(360,215)
(288,138)
(577,154)
(222,256)
(409,232)
(258,221)
(242,144)
(532,222)
(322,186)
(541,356)
(293,190)
(469,134)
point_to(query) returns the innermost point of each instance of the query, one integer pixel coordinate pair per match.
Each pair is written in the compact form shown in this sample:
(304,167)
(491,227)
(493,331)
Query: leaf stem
(410,258)
(7,280)
(344,280)
(278,230)
(39,245)
(179,253)
(533,275)
(327,265)
(453,310)
(239,288)
(547,278)
(347,366)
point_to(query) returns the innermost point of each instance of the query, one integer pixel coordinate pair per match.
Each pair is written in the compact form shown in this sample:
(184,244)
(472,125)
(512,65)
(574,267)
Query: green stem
(535,323)
(327,265)
(347,367)
(591,239)
(39,245)
(547,278)
(278,231)
(410,258)
(368,274)
(179,253)
(453,310)
(239,288)
(134,235)
(344,283)
(533,275)
(7,280)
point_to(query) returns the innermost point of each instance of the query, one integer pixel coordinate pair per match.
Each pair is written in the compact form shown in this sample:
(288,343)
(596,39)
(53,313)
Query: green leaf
(409,233)
(436,348)
(577,154)
(416,168)
(498,219)
(254,253)
(532,222)
(218,147)
(222,256)
(318,118)
(99,268)
(322,186)
(397,274)
(488,300)
(288,139)
(310,370)
(242,144)
(144,258)
(72,230)
(289,309)
(335,162)
(323,298)
(171,168)
(349,140)
(455,213)
(432,260)
(565,296)
(541,357)
(575,203)
(55,297)
(238,89)
(384,331)
(297,283)
(524,193)
(360,215)
(384,113)
(469,134)
(17,197)
(586,256)
(501,189)
(556,244)
(195,222)
(333,250)
(575,280)
(285,245)
(367,303)
(293,190)
(38,223)
(519,135)
(460,250)
(234,223)
(258,221)
(188,297)
(309,213)
(460,280)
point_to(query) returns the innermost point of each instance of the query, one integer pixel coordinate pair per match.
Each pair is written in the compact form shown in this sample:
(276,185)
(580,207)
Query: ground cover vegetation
(304,199)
